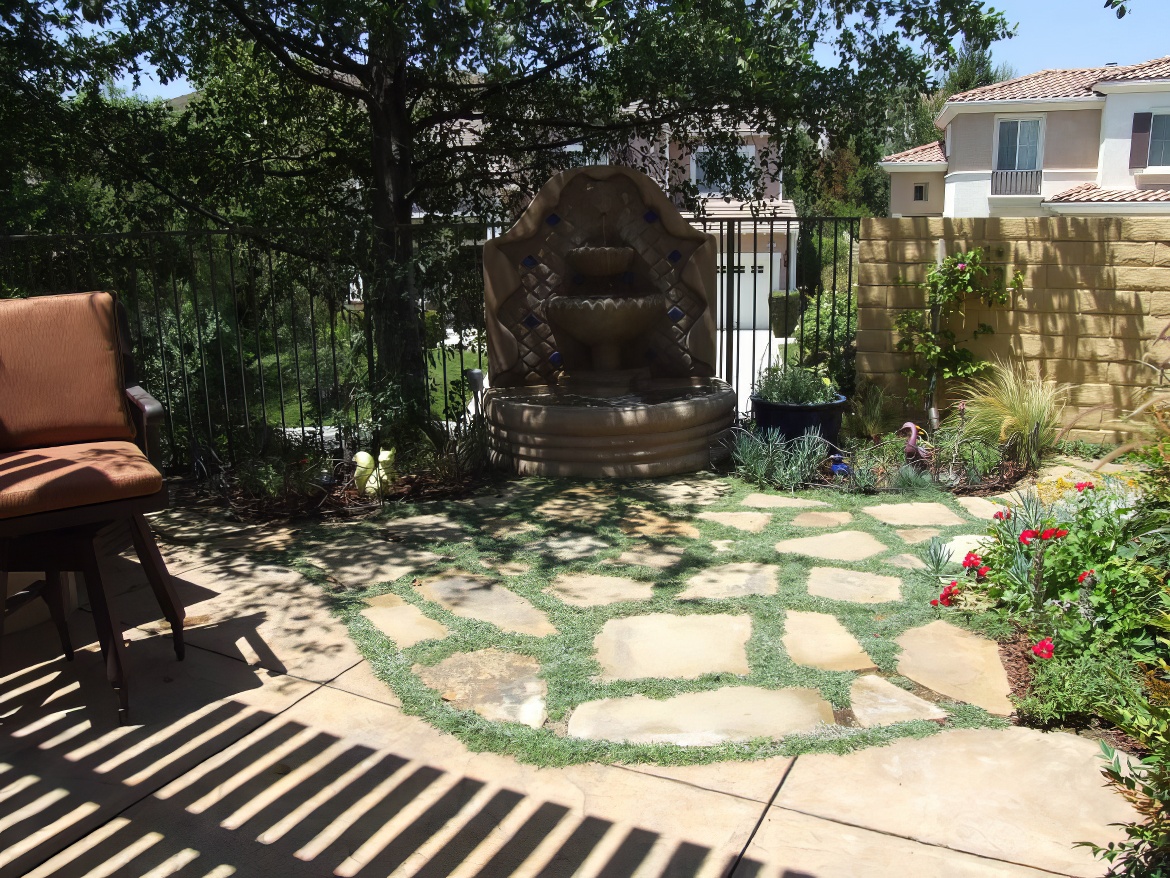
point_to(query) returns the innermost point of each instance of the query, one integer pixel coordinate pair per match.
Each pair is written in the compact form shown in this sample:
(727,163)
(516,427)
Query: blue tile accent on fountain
(650,216)
(553,219)
(676,313)
(529,261)
(674,256)
(555,358)
(531,321)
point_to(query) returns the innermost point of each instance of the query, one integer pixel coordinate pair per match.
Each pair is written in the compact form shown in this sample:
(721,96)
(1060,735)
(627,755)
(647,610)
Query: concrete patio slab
(733,713)
(677,647)
(1010,794)
(756,780)
(260,613)
(361,680)
(362,560)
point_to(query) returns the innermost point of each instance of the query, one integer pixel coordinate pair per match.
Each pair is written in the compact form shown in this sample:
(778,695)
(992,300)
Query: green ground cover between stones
(510,530)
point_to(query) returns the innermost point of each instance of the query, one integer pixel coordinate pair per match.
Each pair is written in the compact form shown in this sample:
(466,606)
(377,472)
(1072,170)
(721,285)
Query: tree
(464,103)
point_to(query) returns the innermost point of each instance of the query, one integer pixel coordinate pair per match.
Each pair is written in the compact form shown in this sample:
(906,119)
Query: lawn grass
(566,658)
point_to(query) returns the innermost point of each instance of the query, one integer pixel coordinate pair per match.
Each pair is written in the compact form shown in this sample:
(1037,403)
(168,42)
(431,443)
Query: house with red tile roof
(1079,142)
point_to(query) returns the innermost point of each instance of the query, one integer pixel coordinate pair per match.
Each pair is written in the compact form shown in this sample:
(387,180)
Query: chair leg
(54,596)
(109,632)
(160,580)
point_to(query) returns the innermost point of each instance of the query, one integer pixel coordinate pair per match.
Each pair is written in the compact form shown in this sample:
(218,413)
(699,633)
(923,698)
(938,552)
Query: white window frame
(747,150)
(1018,117)
(925,193)
(1156,169)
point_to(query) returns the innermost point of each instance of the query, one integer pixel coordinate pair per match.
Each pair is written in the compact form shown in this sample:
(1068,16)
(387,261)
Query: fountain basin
(603,323)
(662,427)
(600,261)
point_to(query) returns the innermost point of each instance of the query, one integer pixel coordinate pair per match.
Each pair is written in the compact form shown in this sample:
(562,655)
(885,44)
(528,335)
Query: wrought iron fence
(257,338)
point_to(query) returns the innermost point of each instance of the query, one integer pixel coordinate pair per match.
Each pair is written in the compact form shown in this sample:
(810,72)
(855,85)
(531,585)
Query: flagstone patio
(550,678)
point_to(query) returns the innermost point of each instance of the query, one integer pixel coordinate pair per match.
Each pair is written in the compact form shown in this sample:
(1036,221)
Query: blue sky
(1050,33)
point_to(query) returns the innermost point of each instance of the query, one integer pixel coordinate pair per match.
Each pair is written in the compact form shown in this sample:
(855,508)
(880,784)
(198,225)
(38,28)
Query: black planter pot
(793,421)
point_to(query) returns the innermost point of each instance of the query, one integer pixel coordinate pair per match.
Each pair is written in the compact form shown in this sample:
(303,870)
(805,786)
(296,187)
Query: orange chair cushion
(60,371)
(64,476)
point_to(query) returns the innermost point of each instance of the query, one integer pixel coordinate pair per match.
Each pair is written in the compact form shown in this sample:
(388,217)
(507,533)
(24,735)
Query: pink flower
(1085,575)
(1027,536)
(1044,649)
(1083,486)
(962,266)
(972,560)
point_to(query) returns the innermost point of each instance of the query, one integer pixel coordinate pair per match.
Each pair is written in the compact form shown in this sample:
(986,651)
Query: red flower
(1002,515)
(1083,486)
(1085,575)
(948,595)
(1044,649)
(1054,533)
(1027,536)
(982,571)
(972,560)
(1061,532)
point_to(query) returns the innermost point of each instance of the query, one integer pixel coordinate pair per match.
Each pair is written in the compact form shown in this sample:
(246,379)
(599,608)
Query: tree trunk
(400,368)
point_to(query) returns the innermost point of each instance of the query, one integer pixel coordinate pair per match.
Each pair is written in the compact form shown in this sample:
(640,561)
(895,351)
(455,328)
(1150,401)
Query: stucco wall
(1117,131)
(971,140)
(902,201)
(1097,292)
(1072,139)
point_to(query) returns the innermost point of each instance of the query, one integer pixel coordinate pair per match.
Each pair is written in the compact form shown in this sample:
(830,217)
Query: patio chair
(78,451)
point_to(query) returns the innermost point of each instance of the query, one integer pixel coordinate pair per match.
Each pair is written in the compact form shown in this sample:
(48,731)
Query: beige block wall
(902,185)
(1096,295)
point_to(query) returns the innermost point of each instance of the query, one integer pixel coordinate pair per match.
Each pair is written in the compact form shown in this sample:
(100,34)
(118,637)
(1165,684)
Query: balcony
(1016,182)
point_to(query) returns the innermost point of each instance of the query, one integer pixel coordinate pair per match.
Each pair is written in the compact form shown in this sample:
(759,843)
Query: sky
(1050,33)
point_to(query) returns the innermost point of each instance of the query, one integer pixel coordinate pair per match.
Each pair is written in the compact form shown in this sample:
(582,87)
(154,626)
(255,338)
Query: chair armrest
(148,415)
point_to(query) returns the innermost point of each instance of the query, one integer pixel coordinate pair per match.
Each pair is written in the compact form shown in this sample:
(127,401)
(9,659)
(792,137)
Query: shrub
(771,461)
(794,385)
(1074,687)
(1016,410)
(868,413)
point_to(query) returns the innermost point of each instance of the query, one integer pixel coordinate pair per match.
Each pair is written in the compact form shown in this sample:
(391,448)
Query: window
(1019,145)
(699,174)
(1160,141)
(921,192)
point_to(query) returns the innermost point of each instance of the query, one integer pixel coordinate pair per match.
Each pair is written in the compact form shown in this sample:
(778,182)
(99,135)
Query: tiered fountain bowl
(607,409)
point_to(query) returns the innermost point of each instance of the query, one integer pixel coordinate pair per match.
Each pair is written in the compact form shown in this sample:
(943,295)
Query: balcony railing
(1015,182)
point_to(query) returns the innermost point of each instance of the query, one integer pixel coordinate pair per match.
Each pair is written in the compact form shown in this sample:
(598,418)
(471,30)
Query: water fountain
(601,334)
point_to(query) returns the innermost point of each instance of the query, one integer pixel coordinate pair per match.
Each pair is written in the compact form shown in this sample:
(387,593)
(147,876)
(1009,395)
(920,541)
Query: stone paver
(477,597)
(914,514)
(778,501)
(647,523)
(359,562)
(507,529)
(496,685)
(591,590)
(906,562)
(1016,795)
(435,528)
(731,581)
(852,585)
(694,491)
(818,640)
(749,522)
(957,663)
(733,713)
(959,546)
(570,547)
(510,568)
(660,558)
(402,622)
(878,702)
(846,545)
(915,535)
(980,507)
(583,506)
(722,547)
(822,519)
(679,647)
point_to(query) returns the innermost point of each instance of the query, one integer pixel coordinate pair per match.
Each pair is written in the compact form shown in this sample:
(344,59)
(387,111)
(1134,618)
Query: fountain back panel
(601,333)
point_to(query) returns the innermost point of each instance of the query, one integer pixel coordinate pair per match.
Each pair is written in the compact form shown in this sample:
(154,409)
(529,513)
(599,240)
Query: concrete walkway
(274,750)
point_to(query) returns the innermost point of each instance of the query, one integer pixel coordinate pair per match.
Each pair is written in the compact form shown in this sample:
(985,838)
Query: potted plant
(792,400)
